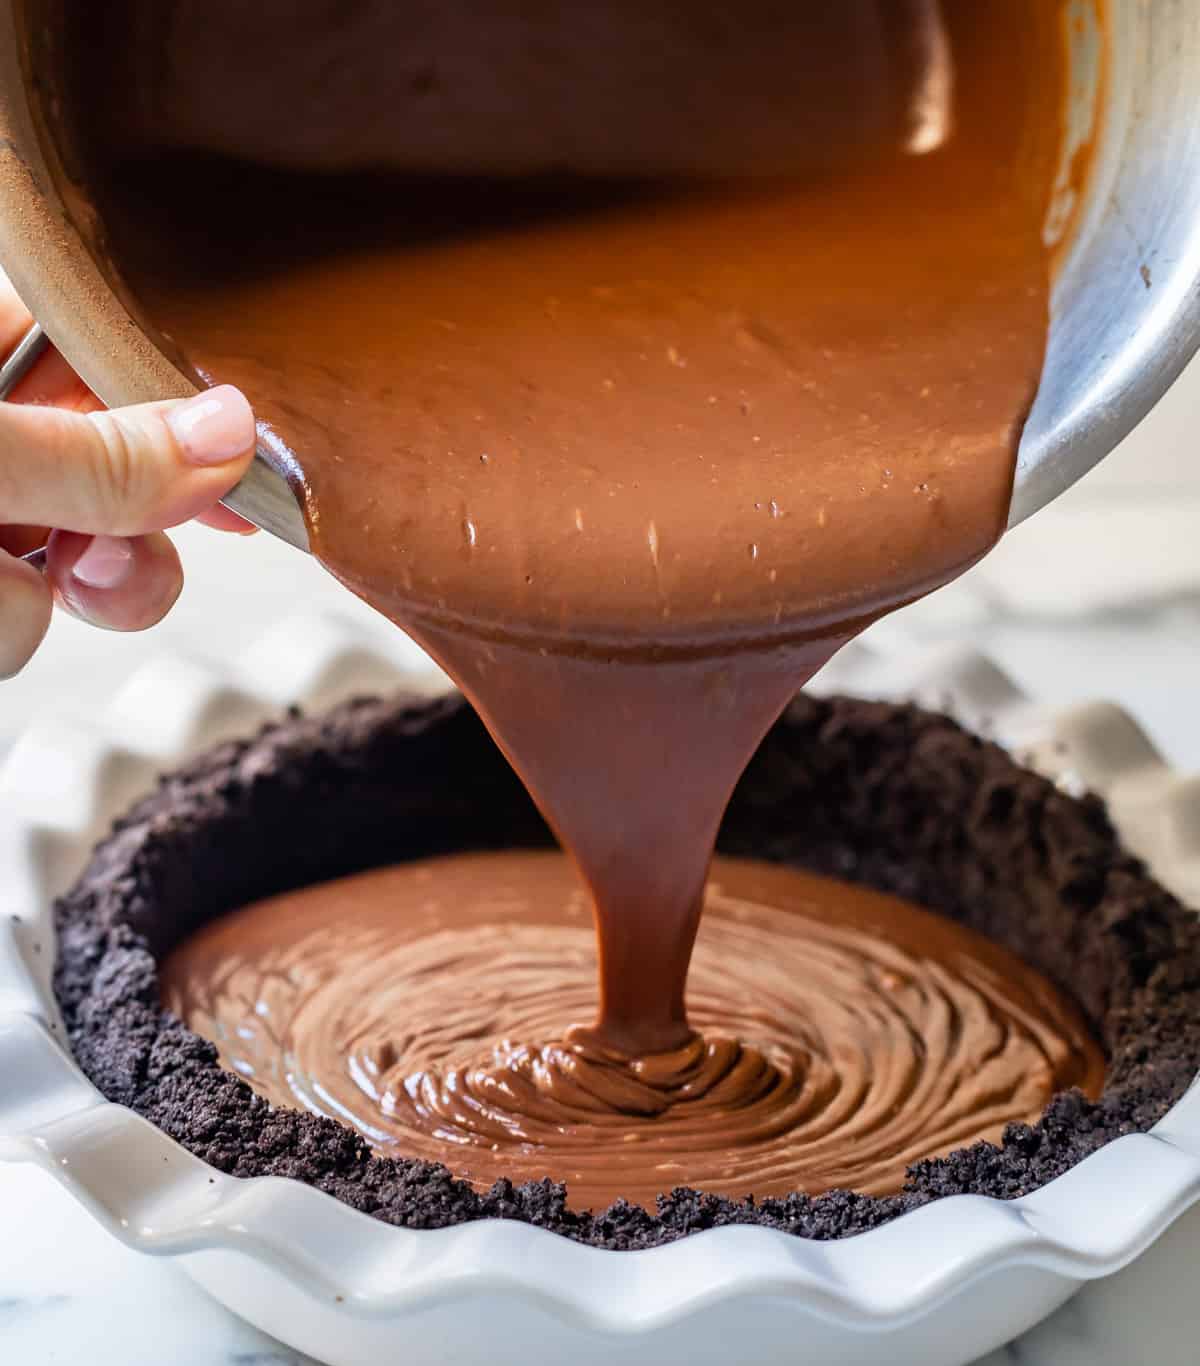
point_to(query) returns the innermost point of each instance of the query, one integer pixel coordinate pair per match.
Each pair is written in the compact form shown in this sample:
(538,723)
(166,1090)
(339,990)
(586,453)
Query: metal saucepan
(1126,305)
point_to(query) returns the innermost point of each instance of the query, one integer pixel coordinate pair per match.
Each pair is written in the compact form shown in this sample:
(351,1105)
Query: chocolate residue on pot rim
(908,804)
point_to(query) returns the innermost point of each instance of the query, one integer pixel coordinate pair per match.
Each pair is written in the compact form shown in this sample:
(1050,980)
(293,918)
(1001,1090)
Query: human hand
(98,487)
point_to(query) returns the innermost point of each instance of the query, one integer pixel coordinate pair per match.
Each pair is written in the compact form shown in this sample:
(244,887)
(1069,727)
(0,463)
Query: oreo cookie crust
(899,799)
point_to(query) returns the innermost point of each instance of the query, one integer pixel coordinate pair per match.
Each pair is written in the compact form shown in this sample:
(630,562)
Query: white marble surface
(1098,596)
(71,1296)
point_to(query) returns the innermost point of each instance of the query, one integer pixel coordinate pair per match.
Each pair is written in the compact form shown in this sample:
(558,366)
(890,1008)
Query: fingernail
(106,563)
(213,427)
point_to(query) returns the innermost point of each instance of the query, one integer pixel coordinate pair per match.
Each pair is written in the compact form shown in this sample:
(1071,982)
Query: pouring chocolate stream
(633,460)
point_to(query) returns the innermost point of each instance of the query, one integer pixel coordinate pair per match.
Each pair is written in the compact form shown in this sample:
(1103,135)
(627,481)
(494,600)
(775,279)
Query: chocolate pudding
(632,460)
(841,1034)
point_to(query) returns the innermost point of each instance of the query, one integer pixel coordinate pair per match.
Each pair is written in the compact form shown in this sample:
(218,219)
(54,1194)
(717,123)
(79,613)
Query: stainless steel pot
(1125,309)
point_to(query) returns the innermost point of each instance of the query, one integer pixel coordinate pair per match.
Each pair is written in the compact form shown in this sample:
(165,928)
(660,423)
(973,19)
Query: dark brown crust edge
(890,796)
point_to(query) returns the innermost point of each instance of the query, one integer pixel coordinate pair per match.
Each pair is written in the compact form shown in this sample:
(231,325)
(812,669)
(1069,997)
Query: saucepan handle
(264,494)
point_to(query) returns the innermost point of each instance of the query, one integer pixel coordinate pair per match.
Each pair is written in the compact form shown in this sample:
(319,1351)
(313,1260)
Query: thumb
(126,471)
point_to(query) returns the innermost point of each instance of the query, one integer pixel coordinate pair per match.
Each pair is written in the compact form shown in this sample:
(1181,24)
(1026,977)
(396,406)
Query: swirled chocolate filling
(838,1034)
(887,798)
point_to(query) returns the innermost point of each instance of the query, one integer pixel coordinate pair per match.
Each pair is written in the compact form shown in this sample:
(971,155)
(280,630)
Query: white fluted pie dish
(938,1287)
